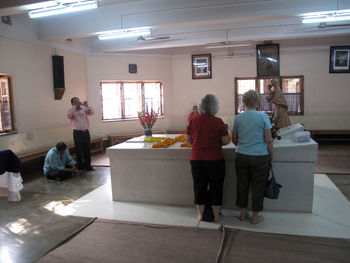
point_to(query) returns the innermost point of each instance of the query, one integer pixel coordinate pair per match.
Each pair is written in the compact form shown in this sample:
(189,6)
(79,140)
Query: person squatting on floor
(59,165)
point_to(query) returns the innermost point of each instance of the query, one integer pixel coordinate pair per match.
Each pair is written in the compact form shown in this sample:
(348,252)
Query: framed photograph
(201,66)
(339,59)
(268,60)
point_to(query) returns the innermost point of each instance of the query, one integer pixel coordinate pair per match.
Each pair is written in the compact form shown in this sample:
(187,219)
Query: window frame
(122,101)
(10,105)
(280,79)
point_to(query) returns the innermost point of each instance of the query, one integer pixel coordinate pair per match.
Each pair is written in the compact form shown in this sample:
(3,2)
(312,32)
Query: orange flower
(169,141)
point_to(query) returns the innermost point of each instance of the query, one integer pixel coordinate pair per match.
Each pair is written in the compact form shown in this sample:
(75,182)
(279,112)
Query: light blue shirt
(250,126)
(55,161)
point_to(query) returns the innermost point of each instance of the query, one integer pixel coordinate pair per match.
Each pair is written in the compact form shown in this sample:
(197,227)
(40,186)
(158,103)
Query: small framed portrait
(268,60)
(201,66)
(339,59)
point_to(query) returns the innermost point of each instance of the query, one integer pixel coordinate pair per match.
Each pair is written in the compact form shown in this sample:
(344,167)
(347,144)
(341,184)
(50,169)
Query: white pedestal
(140,173)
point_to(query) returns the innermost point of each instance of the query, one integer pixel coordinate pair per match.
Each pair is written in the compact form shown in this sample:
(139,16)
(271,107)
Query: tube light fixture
(327,16)
(123,33)
(64,7)
(228,45)
(233,56)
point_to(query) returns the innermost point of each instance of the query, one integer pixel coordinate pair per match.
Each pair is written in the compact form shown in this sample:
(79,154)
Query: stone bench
(330,135)
(96,146)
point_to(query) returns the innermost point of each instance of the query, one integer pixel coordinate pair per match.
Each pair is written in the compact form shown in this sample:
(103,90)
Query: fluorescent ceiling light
(328,16)
(232,56)
(229,45)
(122,33)
(64,7)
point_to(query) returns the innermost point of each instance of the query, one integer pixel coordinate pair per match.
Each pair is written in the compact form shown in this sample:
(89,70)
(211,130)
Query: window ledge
(8,133)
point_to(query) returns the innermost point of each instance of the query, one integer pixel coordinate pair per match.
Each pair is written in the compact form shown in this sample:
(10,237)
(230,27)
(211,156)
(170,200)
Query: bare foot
(199,217)
(242,217)
(217,218)
(257,220)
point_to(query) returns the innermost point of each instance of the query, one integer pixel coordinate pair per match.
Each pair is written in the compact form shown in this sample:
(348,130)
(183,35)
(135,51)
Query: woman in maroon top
(207,134)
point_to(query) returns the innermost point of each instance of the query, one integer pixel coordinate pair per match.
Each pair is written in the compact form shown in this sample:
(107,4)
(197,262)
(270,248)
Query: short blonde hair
(251,99)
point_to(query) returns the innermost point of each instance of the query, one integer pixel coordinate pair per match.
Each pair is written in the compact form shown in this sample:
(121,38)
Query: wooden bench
(96,146)
(330,135)
(33,155)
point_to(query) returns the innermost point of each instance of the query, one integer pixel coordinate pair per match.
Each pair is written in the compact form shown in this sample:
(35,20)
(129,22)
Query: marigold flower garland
(170,141)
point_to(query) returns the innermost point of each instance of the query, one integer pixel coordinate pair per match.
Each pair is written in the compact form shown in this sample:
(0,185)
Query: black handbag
(272,189)
(208,214)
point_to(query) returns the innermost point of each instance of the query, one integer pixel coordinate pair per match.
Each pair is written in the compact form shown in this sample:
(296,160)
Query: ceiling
(189,25)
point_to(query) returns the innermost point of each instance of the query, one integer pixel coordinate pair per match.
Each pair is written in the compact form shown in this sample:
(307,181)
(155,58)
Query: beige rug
(255,247)
(108,241)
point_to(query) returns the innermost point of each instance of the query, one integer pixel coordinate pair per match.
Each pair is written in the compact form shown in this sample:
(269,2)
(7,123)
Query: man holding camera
(78,115)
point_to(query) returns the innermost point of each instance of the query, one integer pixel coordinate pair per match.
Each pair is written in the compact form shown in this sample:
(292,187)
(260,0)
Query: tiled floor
(330,217)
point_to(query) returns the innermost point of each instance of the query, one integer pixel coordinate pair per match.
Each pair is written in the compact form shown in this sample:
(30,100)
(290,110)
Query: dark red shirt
(206,132)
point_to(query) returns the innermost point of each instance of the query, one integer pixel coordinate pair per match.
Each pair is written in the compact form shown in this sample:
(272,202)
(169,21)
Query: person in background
(207,134)
(252,135)
(193,114)
(59,164)
(78,115)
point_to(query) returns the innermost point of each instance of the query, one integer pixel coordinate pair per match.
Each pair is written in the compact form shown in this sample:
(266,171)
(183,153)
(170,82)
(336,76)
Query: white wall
(116,68)
(39,119)
(188,92)
(326,95)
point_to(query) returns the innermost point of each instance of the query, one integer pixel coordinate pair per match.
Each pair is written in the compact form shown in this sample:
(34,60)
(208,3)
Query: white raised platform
(142,174)
(329,218)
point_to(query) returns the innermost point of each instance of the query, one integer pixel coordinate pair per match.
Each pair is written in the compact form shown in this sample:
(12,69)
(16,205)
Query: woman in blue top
(251,134)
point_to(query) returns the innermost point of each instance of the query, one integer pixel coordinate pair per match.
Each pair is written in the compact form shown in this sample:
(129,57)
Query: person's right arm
(70,113)
(225,139)
(235,138)
(269,143)
(189,139)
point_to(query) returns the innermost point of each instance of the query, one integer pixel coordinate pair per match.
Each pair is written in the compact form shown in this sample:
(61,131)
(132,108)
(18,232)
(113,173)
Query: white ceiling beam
(171,14)
(253,35)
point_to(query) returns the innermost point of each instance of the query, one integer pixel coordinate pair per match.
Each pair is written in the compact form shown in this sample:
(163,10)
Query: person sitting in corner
(59,165)
(194,113)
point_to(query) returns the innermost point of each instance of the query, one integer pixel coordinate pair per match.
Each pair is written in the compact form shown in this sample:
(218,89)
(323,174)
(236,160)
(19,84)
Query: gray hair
(209,105)
(251,99)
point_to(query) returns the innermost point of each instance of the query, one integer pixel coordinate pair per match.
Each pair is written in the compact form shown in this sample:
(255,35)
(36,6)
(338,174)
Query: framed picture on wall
(339,59)
(268,60)
(201,66)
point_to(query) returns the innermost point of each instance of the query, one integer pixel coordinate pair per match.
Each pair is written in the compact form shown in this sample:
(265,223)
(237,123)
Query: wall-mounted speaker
(58,76)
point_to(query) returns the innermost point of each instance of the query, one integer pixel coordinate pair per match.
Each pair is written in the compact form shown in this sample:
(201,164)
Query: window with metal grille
(292,89)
